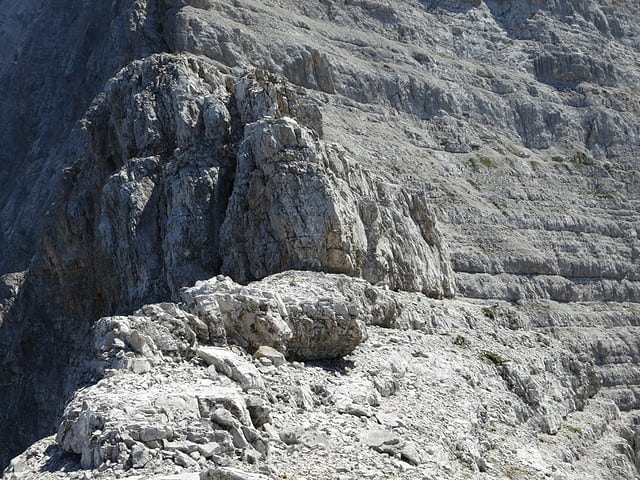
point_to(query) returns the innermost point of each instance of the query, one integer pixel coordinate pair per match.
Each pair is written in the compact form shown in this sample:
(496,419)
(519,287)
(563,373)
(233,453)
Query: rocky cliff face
(176,151)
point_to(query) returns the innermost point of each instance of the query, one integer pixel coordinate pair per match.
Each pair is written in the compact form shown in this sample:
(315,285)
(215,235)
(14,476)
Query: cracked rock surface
(324,239)
(526,404)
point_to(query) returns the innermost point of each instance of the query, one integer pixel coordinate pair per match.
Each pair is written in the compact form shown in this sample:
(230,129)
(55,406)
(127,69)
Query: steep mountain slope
(423,146)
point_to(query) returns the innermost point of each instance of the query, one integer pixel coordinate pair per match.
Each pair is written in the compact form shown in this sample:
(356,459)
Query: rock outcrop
(54,59)
(185,159)
(213,416)
(308,208)
(183,172)
(180,166)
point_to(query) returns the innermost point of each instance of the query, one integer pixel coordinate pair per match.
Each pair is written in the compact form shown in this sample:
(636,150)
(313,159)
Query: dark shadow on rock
(60,461)
(44,358)
(337,365)
(510,15)
(449,5)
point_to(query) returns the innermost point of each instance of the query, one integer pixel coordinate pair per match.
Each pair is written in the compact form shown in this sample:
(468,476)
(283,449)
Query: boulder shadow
(334,365)
(60,461)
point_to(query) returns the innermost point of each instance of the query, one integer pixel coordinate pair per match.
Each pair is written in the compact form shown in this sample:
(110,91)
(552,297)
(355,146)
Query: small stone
(229,399)
(225,473)
(385,384)
(223,417)
(140,456)
(303,397)
(181,446)
(382,441)
(356,410)
(271,431)
(259,410)
(267,370)
(212,373)
(148,434)
(239,440)
(270,354)
(290,436)
(389,420)
(183,460)
(233,366)
(250,456)
(411,454)
(207,450)
(138,365)
(155,444)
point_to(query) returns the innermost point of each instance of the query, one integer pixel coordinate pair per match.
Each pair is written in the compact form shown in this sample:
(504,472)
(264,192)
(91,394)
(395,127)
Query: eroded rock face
(154,152)
(83,51)
(310,208)
(137,430)
(161,170)
(211,416)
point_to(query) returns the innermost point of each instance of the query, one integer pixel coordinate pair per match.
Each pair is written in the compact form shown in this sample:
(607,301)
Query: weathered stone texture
(409,145)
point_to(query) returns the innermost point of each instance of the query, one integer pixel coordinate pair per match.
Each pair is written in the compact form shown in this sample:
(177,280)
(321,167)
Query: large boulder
(289,312)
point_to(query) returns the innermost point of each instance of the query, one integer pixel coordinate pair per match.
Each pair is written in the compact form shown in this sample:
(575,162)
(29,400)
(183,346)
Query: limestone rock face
(390,149)
(150,154)
(111,424)
(162,197)
(160,338)
(309,207)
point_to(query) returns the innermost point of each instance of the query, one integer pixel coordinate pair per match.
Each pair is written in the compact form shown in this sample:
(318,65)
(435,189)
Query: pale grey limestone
(517,409)
(232,365)
(268,313)
(308,207)
(275,357)
(223,473)
(515,123)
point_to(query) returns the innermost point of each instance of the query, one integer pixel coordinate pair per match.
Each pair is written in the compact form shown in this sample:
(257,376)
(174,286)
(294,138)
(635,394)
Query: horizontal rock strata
(407,148)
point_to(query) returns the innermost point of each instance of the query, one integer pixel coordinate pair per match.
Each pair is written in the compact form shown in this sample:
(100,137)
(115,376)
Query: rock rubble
(222,414)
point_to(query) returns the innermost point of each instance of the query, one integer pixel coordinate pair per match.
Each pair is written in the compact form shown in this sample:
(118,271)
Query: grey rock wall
(156,199)
(309,208)
(175,165)
(149,145)
(56,57)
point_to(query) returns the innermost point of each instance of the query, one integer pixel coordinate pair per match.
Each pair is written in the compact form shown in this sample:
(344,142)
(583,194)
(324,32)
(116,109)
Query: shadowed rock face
(183,171)
(56,57)
(174,186)
(148,145)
